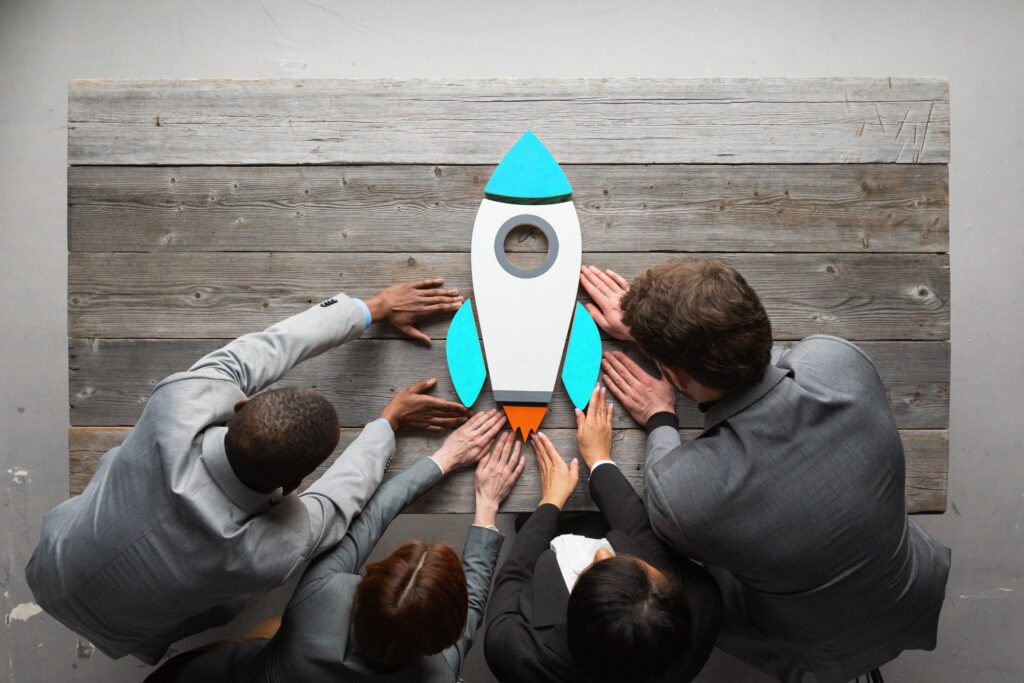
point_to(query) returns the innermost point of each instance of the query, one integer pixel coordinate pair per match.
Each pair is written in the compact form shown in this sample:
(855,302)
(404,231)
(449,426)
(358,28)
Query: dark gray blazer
(793,496)
(313,643)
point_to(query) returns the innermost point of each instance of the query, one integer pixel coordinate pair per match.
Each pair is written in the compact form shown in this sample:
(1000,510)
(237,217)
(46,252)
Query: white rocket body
(524,315)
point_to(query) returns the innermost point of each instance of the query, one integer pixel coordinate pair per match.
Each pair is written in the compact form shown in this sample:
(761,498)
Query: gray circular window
(533,222)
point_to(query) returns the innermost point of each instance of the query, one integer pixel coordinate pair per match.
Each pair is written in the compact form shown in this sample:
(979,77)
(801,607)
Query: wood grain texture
(216,295)
(778,208)
(926,458)
(834,120)
(111,380)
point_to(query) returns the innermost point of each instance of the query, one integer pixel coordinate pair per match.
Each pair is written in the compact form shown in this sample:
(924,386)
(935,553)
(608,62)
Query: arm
(507,640)
(334,500)
(479,557)
(257,360)
(371,523)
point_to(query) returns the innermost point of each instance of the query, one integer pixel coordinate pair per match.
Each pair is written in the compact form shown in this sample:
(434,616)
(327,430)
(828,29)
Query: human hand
(408,302)
(468,443)
(411,408)
(594,429)
(640,394)
(606,288)
(557,478)
(496,474)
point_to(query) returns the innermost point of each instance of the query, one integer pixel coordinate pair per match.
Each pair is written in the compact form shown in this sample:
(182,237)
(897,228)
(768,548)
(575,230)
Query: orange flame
(525,419)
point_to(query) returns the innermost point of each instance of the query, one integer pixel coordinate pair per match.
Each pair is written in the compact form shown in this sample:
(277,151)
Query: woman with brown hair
(411,616)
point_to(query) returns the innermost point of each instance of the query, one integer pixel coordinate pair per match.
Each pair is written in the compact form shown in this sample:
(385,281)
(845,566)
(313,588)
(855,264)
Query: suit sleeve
(257,360)
(334,500)
(624,511)
(660,442)
(479,557)
(386,504)
(507,640)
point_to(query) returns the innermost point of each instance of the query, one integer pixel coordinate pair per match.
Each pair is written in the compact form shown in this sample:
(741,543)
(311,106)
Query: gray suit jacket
(314,644)
(793,496)
(166,541)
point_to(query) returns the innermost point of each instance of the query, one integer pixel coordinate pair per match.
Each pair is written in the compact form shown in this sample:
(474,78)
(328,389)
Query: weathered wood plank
(926,456)
(475,121)
(112,379)
(779,208)
(857,296)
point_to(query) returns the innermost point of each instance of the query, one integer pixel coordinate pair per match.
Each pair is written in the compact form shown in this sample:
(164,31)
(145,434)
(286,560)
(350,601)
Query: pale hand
(639,393)
(467,444)
(496,474)
(404,304)
(606,288)
(558,479)
(412,408)
(594,429)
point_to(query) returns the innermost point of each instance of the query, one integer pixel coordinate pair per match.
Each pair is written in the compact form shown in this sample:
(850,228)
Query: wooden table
(201,210)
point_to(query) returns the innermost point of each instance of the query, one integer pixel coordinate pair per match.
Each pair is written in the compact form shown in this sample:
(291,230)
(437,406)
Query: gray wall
(977,45)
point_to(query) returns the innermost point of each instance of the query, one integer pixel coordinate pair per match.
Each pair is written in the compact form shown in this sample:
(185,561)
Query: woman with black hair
(596,597)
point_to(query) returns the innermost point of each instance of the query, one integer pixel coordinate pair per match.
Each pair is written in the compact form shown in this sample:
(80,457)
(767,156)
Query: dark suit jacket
(525,638)
(793,496)
(313,643)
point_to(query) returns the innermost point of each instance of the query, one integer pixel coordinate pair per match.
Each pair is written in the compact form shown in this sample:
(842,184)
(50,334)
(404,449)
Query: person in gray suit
(410,617)
(195,511)
(793,493)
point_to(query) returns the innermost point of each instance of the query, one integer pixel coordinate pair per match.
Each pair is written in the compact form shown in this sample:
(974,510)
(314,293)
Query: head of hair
(411,604)
(702,317)
(626,621)
(279,437)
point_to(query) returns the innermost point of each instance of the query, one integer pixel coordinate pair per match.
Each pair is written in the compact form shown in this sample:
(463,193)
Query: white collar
(575,554)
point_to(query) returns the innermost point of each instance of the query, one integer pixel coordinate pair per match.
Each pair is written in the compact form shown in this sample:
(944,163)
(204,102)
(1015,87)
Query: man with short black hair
(194,512)
(793,494)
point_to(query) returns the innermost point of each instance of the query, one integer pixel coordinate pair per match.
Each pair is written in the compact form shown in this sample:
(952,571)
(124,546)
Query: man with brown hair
(793,494)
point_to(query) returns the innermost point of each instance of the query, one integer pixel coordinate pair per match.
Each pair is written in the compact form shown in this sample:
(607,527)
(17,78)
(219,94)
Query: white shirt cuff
(438,464)
(366,311)
(601,462)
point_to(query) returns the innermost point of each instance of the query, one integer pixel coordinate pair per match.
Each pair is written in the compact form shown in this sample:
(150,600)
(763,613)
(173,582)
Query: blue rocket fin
(465,358)
(528,175)
(582,358)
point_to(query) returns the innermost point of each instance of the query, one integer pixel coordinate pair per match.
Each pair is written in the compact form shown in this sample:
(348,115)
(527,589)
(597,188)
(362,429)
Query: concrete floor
(978,46)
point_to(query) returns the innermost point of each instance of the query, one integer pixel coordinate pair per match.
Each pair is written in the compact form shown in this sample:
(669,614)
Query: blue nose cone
(529,175)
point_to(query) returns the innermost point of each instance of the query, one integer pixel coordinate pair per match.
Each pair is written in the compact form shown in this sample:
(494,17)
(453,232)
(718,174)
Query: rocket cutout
(525,313)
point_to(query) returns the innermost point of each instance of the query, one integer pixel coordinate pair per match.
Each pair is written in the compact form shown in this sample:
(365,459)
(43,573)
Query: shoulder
(832,367)
(822,348)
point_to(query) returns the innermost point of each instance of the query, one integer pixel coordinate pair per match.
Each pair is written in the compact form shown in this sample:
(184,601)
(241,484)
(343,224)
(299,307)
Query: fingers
(609,412)
(442,407)
(423,385)
(627,368)
(597,315)
(616,377)
(443,306)
(440,296)
(595,399)
(619,280)
(594,286)
(446,422)
(486,421)
(428,283)
(415,334)
(613,288)
(581,420)
(520,463)
(574,470)
(492,428)
(618,393)
(502,449)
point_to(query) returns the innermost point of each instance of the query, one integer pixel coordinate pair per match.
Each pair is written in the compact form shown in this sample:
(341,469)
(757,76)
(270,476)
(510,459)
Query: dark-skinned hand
(407,303)
(413,409)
